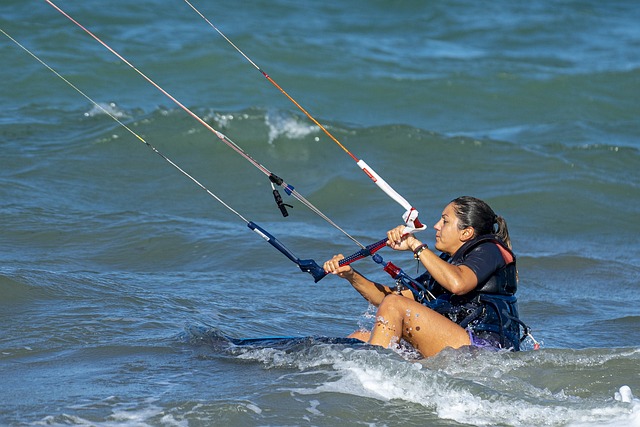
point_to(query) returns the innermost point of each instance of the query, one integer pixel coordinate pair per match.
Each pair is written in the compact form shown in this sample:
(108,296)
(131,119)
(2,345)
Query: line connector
(281,205)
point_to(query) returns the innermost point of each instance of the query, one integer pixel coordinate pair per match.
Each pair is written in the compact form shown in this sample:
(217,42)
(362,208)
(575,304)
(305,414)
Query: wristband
(418,250)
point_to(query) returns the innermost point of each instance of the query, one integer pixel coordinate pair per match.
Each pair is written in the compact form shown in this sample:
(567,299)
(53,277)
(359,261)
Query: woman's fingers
(396,237)
(332,265)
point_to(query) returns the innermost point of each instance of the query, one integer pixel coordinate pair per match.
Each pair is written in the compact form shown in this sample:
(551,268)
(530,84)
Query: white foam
(479,388)
(122,415)
(106,108)
(254,408)
(313,407)
(612,416)
(288,126)
(469,399)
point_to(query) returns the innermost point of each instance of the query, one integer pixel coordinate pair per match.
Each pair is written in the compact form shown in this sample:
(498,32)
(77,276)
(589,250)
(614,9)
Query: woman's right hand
(333,266)
(398,240)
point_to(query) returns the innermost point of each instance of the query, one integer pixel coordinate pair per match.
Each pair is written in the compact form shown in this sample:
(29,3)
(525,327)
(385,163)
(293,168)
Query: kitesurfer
(471,286)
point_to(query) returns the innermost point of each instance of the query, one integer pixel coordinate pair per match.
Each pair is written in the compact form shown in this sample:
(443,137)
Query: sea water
(110,258)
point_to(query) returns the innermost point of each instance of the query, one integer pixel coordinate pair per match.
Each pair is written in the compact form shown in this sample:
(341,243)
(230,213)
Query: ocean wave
(503,388)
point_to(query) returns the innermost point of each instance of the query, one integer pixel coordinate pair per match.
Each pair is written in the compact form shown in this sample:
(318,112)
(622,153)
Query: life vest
(490,311)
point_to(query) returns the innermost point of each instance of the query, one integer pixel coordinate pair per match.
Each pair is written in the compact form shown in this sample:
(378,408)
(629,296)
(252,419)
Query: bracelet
(418,250)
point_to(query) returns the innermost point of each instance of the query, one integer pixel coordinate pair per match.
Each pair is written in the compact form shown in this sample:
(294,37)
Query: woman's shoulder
(486,250)
(488,245)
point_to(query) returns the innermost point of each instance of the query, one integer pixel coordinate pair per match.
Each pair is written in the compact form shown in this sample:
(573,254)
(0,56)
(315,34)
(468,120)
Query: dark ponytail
(477,214)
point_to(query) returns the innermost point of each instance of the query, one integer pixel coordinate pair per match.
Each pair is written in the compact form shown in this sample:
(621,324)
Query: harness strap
(472,316)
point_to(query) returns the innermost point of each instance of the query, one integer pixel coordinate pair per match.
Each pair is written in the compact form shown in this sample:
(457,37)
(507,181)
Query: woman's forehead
(449,210)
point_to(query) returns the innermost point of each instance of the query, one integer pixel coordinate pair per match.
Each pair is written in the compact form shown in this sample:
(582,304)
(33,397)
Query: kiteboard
(215,339)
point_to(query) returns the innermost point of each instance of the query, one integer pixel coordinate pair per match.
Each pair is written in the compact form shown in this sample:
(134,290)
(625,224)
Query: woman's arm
(371,291)
(457,279)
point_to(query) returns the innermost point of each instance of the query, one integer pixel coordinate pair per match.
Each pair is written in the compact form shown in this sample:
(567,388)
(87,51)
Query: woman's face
(449,237)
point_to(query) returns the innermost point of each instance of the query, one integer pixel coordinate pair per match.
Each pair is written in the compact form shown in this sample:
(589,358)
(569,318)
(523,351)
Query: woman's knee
(391,303)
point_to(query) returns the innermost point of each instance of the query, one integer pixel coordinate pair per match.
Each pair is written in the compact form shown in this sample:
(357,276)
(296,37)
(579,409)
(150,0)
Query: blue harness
(491,310)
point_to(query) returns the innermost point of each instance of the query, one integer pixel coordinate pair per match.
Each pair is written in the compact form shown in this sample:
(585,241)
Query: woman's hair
(477,214)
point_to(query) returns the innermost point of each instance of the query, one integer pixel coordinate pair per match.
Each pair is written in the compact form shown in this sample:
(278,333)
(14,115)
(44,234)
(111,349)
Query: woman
(470,287)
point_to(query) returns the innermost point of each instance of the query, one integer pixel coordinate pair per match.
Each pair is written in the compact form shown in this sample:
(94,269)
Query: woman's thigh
(428,331)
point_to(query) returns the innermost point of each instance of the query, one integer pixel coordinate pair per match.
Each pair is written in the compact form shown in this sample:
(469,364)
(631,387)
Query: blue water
(117,273)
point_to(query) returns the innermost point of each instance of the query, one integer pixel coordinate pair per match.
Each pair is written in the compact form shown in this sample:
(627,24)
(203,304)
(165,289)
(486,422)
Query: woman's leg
(428,331)
(362,335)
